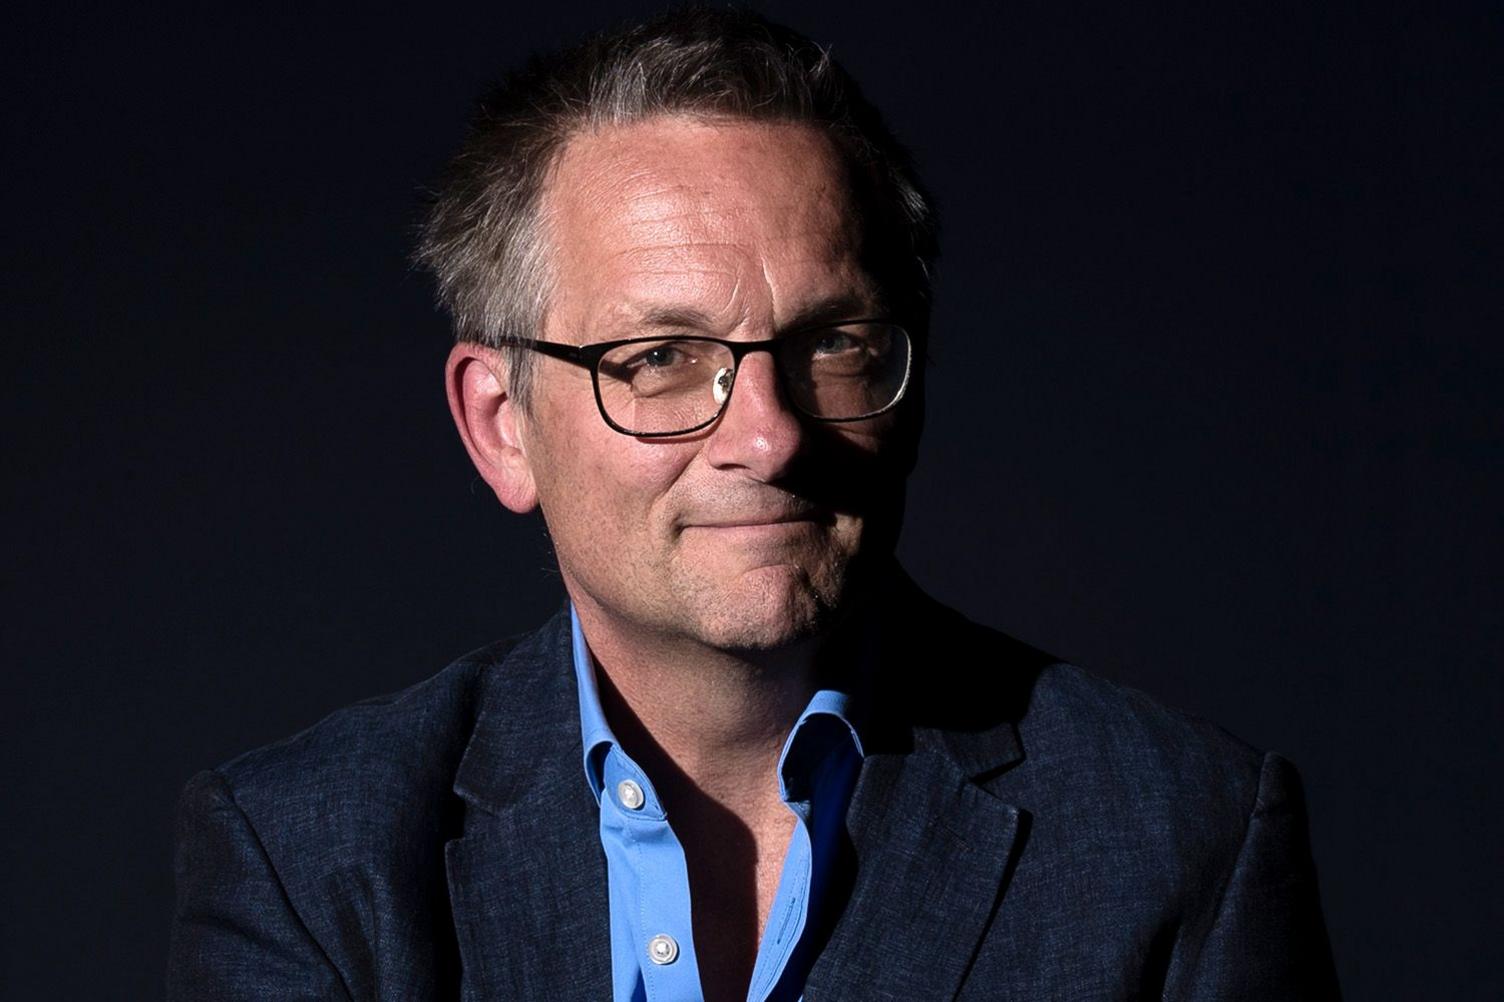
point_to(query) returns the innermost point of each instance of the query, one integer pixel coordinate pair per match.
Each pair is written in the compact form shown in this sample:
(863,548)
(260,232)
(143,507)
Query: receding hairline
(545,213)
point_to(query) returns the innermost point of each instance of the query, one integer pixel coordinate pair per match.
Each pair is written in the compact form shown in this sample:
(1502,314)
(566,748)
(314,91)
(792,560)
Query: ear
(489,423)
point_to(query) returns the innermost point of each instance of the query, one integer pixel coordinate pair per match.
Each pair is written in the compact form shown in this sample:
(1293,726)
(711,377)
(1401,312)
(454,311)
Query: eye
(833,342)
(659,357)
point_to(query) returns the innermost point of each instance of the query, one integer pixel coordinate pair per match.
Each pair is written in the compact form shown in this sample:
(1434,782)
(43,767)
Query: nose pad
(721,387)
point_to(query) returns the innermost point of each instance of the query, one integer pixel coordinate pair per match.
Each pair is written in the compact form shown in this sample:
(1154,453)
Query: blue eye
(833,343)
(660,357)
(663,356)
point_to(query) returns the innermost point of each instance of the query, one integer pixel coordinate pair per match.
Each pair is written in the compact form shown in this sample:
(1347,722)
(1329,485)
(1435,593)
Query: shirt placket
(651,856)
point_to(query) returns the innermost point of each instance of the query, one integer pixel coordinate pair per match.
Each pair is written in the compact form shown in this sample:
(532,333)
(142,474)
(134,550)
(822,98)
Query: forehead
(727,218)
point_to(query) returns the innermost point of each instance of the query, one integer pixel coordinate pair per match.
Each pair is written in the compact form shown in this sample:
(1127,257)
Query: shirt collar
(825,725)
(823,728)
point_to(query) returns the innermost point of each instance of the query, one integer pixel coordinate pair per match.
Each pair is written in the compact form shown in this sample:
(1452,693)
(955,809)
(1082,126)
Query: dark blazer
(1020,830)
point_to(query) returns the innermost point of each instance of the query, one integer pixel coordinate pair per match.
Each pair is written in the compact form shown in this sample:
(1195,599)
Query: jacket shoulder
(1075,727)
(1068,716)
(1094,749)
(1152,782)
(368,774)
(1077,717)
(326,851)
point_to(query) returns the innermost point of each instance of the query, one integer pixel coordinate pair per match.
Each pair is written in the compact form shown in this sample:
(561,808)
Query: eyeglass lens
(672,385)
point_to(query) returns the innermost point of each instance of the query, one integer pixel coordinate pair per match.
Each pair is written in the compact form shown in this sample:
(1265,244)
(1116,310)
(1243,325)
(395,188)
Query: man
(688,268)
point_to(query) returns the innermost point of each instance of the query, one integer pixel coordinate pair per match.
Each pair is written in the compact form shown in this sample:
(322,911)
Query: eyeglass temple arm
(578,355)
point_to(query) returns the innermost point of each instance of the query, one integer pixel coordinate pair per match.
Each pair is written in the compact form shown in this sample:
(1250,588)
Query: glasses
(661,386)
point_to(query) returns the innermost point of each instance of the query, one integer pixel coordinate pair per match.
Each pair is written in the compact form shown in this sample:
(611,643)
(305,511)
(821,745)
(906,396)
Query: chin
(768,608)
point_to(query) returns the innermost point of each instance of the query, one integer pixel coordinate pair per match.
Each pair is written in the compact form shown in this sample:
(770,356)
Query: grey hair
(484,239)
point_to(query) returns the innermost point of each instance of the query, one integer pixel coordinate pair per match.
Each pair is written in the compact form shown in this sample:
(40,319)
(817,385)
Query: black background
(1213,411)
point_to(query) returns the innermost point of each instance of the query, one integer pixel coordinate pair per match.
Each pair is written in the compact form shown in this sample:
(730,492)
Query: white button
(662,949)
(630,795)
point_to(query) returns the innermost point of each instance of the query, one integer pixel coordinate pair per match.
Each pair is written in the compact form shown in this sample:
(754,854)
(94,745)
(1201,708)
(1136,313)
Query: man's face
(754,532)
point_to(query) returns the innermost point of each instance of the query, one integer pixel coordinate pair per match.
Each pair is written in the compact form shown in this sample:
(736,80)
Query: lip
(754,523)
(788,532)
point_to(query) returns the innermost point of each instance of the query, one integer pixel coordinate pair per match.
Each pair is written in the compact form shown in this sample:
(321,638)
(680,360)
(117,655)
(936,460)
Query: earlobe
(489,423)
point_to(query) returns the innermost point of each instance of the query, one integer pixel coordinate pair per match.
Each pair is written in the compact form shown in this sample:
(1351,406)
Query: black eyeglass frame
(589,356)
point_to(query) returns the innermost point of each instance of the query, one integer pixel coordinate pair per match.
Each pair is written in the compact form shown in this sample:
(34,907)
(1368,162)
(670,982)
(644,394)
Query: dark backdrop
(1213,412)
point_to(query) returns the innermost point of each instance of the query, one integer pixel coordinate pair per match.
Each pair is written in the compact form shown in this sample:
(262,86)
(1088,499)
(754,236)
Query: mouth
(745,536)
(770,513)
(758,523)
(787,517)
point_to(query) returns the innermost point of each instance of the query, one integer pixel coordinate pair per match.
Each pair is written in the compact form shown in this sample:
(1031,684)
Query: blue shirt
(652,941)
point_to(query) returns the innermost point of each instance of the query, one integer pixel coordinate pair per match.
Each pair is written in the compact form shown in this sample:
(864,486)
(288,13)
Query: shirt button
(662,949)
(630,795)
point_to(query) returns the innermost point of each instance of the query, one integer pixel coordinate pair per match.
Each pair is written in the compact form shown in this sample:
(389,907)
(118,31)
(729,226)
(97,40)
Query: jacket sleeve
(235,934)
(1268,940)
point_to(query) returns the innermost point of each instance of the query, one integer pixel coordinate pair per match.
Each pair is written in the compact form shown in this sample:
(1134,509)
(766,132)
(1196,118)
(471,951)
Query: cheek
(646,476)
(617,482)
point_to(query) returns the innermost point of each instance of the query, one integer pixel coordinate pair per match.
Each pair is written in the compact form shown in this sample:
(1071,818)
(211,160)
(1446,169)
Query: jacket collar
(527,881)
(526,715)
(932,843)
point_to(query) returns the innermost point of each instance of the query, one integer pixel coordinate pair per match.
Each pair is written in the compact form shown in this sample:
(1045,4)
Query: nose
(759,431)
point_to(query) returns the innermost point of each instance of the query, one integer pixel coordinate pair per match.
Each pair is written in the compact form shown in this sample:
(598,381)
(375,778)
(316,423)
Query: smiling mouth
(767,512)
(769,523)
(750,536)
(810,516)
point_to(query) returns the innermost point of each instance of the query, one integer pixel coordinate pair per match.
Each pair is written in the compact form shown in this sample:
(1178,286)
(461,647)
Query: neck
(703,719)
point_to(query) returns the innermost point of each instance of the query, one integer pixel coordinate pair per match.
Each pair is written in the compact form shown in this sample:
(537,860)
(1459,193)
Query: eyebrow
(833,309)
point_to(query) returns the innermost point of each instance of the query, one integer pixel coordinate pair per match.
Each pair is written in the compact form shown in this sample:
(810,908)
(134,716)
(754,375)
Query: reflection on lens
(663,386)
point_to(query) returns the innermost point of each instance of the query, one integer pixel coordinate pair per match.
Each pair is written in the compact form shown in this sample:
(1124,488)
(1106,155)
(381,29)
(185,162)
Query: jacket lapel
(527,881)
(931,847)
(932,850)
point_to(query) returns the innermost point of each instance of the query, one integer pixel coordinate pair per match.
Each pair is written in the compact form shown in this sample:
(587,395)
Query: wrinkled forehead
(669,173)
(683,207)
